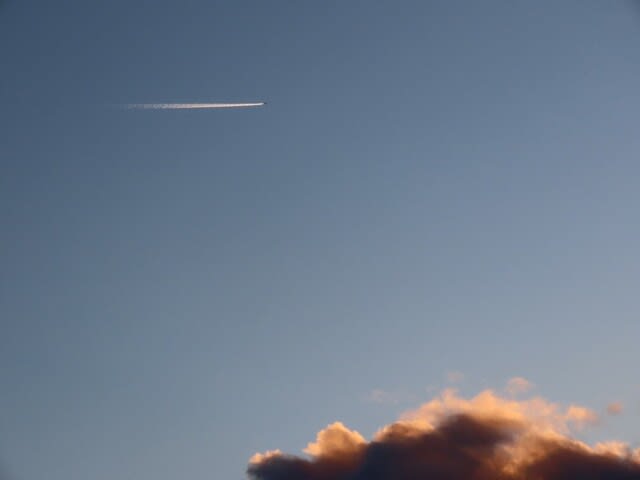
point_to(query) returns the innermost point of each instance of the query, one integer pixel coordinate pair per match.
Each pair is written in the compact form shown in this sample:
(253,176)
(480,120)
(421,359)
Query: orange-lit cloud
(263,457)
(336,439)
(518,385)
(615,408)
(486,437)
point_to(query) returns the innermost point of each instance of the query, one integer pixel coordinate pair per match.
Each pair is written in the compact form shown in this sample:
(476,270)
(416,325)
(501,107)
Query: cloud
(486,437)
(518,385)
(336,439)
(615,408)
(263,457)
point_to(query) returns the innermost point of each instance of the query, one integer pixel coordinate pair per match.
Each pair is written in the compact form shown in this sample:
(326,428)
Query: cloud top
(486,437)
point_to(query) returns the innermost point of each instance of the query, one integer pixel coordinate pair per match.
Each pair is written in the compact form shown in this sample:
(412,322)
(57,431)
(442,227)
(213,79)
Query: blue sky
(432,187)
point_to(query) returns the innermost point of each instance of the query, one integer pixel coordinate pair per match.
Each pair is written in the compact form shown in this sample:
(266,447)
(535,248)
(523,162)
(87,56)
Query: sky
(436,193)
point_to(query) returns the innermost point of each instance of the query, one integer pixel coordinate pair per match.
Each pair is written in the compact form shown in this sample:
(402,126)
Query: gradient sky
(432,187)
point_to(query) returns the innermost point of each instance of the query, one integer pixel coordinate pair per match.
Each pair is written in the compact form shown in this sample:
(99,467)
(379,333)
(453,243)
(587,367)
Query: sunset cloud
(518,385)
(263,457)
(485,437)
(336,439)
(615,408)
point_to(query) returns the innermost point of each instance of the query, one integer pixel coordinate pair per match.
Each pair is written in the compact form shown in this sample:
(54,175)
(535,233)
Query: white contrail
(189,106)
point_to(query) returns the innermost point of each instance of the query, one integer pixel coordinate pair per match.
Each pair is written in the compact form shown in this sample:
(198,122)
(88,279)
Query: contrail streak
(189,106)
